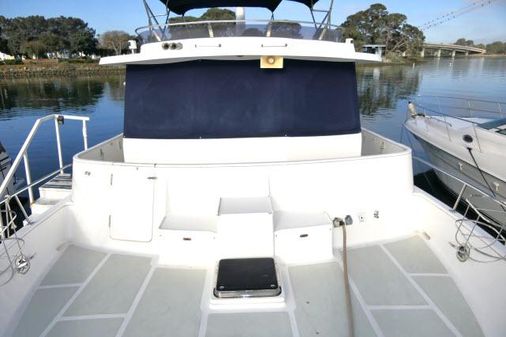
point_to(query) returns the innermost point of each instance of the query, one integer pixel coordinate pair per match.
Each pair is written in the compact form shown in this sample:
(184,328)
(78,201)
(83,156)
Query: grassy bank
(49,68)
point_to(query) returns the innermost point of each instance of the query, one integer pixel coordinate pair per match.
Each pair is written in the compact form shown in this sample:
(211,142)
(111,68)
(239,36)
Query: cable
(456,13)
(483,176)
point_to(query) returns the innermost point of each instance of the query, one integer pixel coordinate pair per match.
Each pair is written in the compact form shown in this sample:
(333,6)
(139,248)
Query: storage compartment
(302,237)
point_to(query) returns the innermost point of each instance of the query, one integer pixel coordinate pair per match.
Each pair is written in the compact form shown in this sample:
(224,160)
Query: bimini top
(182,6)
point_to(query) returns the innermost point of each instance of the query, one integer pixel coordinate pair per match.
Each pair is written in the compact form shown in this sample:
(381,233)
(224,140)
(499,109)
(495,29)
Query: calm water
(383,93)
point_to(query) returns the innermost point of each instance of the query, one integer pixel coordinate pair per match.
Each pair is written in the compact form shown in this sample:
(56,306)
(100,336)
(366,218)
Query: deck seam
(399,307)
(430,274)
(138,297)
(62,285)
(426,297)
(76,294)
(87,317)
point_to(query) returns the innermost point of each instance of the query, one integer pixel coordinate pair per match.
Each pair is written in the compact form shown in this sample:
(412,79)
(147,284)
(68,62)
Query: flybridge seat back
(252,277)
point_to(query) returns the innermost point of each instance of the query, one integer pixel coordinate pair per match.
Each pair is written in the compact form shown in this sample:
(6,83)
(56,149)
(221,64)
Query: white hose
(347,291)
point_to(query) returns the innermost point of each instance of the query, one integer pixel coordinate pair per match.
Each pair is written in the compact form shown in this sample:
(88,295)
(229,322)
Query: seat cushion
(289,220)
(186,222)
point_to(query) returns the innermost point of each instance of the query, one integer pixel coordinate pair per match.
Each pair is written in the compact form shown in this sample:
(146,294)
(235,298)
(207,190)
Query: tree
(34,49)
(212,14)
(496,47)
(376,25)
(81,38)
(58,35)
(218,14)
(286,29)
(464,42)
(115,40)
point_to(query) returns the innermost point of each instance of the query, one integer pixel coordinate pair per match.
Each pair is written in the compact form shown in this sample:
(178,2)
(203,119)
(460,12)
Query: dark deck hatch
(251,277)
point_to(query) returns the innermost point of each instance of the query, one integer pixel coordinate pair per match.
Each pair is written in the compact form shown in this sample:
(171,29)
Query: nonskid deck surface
(398,289)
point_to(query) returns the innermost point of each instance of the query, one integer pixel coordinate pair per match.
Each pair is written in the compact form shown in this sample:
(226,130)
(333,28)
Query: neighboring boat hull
(5,165)
(470,174)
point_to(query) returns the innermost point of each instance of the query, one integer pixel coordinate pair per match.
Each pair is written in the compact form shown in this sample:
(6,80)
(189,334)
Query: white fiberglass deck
(399,289)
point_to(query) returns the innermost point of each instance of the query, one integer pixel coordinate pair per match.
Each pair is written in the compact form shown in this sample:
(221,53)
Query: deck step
(57,188)
(52,192)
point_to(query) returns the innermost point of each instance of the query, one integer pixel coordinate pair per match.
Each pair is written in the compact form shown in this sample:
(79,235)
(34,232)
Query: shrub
(11,62)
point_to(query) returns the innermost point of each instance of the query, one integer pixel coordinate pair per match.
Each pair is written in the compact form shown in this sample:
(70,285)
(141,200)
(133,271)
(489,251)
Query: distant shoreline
(55,69)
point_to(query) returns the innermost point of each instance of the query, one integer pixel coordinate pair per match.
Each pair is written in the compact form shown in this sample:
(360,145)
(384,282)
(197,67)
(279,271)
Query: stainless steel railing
(446,110)
(16,260)
(23,152)
(23,156)
(468,239)
(235,28)
(459,107)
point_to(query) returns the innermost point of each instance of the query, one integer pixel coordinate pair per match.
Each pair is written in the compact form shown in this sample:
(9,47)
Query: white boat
(470,148)
(244,199)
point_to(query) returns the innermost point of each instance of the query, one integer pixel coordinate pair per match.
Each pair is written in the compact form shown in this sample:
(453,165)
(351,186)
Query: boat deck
(398,289)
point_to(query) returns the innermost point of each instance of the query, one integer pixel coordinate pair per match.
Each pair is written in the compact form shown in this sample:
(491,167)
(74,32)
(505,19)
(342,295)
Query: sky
(484,25)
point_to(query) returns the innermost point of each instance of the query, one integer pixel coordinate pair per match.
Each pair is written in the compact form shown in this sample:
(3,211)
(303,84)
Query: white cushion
(189,223)
(245,205)
(288,220)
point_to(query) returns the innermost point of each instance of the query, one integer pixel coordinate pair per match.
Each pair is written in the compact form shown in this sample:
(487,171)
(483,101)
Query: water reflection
(381,87)
(20,96)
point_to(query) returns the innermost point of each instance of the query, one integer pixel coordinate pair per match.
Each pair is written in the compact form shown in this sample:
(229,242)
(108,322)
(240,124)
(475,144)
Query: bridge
(453,48)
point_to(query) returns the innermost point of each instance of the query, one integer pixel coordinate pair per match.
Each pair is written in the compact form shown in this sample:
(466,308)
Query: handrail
(23,152)
(466,184)
(438,115)
(460,98)
(468,106)
(18,262)
(186,23)
(164,28)
(466,238)
(21,190)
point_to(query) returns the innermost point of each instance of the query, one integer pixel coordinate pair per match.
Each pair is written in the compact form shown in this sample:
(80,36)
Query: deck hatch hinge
(111,179)
(109,221)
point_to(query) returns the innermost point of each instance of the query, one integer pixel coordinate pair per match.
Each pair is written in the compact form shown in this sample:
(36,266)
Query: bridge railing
(455,47)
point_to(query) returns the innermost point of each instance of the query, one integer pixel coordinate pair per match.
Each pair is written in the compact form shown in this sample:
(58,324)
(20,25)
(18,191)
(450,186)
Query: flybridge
(161,28)
(182,6)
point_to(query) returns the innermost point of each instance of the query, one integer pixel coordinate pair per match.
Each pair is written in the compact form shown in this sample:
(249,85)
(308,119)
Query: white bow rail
(23,152)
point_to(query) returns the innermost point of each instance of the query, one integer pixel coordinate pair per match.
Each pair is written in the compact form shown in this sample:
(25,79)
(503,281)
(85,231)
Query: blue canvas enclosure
(224,99)
(182,6)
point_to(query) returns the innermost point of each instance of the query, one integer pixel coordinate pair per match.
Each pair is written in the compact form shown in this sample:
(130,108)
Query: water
(383,93)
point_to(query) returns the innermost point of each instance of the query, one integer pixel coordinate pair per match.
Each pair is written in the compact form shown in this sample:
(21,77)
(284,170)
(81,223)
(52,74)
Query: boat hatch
(250,277)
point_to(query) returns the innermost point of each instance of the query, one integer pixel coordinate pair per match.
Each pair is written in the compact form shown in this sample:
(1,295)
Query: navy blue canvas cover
(227,99)
(182,6)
